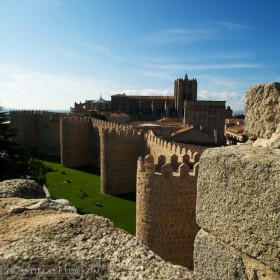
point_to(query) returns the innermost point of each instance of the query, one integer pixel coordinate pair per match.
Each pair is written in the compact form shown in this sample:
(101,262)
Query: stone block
(262,107)
(238,200)
(214,261)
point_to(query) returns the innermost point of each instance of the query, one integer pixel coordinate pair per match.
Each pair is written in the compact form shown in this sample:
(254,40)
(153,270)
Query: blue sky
(55,52)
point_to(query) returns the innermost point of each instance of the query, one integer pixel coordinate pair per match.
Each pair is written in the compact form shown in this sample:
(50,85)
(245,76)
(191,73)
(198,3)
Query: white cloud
(180,35)
(22,88)
(49,2)
(157,74)
(147,92)
(25,89)
(96,47)
(233,99)
(102,50)
(208,30)
(206,95)
(230,25)
(225,66)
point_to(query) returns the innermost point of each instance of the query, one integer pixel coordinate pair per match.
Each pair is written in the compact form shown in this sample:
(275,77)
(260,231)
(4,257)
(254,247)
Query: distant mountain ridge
(55,111)
(239,112)
(67,111)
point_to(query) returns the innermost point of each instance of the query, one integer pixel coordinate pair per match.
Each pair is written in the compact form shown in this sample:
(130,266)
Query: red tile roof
(184,129)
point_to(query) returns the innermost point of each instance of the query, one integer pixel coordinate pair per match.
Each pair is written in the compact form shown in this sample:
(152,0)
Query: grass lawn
(83,191)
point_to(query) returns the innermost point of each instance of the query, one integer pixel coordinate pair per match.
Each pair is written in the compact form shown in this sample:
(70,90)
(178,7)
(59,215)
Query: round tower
(165,209)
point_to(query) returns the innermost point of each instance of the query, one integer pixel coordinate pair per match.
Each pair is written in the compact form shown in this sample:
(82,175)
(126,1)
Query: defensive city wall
(79,141)
(222,220)
(38,131)
(115,149)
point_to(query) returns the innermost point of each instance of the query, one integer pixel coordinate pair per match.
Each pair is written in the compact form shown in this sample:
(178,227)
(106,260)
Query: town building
(203,120)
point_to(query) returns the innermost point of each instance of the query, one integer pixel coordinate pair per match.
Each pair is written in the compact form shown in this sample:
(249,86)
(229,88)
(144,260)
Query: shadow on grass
(53,159)
(82,211)
(89,168)
(127,196)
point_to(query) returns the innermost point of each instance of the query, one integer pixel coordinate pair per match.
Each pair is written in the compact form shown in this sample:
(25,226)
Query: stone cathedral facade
(154,107)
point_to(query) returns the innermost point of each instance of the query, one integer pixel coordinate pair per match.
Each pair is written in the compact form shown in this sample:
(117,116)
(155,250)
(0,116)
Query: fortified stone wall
(75,138)
(80,140)
(165,208)
(157,146)
(112,147)
(37,131)
(119,152)
(97,126)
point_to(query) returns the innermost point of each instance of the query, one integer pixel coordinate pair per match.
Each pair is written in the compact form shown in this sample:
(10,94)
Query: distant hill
(242,112)
(55,111)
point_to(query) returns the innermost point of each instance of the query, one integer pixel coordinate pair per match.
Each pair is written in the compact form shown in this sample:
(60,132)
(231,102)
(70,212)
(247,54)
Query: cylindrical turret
(165,209)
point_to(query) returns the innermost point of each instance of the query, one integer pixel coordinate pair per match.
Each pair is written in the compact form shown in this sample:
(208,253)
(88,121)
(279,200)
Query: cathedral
(155,107)
(149,107)
(202,119)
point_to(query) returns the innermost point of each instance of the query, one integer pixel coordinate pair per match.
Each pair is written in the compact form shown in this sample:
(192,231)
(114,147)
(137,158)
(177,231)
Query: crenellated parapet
(124,131)
(165,207)
(112,147)
(29,112)
(36,114)
(100,124)
(76,120)
(166,169)
(158,146)
(110,125)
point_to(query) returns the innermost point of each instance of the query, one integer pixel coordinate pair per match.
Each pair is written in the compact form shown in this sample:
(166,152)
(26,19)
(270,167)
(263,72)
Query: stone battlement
(167,170)
(158,146)
(25,112)
(121,131)
(35,112)
(76,119)
(95,122)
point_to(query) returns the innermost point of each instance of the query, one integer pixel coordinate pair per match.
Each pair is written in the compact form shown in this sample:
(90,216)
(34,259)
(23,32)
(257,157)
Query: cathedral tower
(184,89)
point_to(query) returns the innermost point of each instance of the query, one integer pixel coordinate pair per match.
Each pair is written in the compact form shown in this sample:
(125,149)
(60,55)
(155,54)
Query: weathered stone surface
(214,261)
(46,244)
(262,108)
(273,142)
(21,205)
(21,188)
(238,200)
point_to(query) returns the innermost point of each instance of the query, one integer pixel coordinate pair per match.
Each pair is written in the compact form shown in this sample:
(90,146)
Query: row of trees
(15,163)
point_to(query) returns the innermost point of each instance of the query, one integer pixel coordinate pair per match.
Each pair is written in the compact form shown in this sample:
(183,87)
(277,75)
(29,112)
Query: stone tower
(165,207)
(184,89)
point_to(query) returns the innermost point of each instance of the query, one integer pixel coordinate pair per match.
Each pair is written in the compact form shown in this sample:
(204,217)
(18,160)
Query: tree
(136,117)
(7,146)
(99,116)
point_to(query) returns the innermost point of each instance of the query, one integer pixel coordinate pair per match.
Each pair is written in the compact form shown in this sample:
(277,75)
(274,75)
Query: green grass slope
(82,188)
